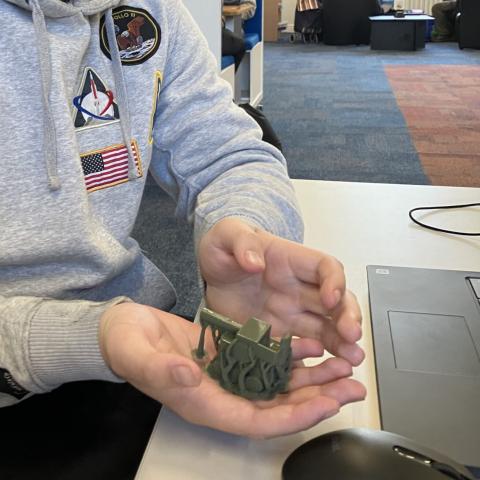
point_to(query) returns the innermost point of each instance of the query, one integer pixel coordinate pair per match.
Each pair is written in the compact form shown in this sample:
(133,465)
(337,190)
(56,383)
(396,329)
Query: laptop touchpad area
(431,343)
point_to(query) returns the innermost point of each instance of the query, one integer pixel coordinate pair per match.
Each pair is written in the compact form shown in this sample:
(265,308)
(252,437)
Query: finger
(248,249)
(163,371)
(218,409)
(328,371)
(351,352)
(309,325)
(338,347)
(347,314)
(238,237)
(349,318)
(317,268)
(345,390)
(308,298)
(288,418)
(332,280)
(151,368)
(291,413)
(306,348)
(325,329)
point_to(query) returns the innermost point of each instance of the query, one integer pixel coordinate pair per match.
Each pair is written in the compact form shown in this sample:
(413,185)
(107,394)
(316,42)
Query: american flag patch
(109,166)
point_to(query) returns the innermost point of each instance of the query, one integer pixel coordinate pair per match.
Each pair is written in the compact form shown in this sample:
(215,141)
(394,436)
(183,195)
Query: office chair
(345,22)
(467,25)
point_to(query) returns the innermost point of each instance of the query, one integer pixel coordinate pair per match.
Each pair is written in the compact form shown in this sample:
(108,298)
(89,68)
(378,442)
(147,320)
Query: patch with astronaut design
(137,33)
(94,105)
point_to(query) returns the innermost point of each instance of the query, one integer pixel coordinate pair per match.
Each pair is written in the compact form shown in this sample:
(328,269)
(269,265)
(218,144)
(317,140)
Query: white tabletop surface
(360,224)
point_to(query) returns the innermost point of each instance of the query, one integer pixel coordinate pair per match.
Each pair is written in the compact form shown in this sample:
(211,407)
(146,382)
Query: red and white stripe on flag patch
(109,166)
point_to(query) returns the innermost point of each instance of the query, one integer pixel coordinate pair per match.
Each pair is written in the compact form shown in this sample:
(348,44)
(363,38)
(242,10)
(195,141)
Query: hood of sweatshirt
(58,8)
(42,9)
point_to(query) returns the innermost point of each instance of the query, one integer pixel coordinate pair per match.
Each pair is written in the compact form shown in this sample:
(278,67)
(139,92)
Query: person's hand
(249,272)
(152,350)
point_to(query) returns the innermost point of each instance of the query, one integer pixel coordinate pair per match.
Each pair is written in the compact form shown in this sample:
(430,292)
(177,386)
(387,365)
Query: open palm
(152,350)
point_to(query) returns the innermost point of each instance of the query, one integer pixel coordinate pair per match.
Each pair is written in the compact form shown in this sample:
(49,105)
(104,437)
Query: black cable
(443,207)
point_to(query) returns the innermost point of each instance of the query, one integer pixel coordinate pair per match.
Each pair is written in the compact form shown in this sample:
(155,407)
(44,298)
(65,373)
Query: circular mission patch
(137,32)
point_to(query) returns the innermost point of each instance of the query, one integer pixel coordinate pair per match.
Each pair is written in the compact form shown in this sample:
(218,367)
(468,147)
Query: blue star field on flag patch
(92,163)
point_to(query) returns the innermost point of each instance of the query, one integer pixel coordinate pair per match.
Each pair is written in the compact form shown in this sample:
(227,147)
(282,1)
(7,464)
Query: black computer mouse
(363,454)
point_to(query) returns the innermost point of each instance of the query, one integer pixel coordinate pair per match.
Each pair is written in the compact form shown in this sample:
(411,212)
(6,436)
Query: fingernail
(184,376)
(254,257)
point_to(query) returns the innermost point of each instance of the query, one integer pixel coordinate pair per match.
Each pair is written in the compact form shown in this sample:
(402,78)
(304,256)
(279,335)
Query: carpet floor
(339,111)
(441,107)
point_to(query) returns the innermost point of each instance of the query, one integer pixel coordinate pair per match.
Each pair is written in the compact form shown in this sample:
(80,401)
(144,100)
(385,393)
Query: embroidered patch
(94,104)
(10,386)
(156,95)
(109,166)
(137,32)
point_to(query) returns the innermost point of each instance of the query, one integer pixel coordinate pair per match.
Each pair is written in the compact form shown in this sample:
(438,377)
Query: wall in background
(425,5)
(288,8)
(288,13)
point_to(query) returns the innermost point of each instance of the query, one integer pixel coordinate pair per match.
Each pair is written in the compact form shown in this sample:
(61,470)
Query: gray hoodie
(93,99)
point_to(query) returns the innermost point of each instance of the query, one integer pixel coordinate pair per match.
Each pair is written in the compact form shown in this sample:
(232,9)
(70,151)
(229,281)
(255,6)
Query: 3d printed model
(248,363)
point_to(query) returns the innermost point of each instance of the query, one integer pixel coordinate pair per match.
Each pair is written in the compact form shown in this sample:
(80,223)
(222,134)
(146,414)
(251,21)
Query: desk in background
(360,224)
(402,33)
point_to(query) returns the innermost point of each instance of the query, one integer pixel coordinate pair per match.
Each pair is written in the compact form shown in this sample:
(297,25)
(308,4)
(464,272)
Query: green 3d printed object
(248,362)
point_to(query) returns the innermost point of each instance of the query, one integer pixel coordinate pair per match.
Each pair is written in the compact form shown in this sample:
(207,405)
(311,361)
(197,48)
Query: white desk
(360,224)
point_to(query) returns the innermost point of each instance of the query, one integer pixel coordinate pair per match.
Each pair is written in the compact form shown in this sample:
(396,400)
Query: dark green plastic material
(248,362)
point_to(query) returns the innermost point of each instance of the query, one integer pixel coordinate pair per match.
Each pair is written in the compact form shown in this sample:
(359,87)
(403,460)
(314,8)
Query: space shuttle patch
(94,105)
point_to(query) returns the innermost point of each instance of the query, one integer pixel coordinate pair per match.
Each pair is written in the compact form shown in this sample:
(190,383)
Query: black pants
(232,44)
(84,430)
(445,13)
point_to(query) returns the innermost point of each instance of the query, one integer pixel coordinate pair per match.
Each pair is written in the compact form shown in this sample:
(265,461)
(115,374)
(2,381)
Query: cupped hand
(298,290)
(152,350)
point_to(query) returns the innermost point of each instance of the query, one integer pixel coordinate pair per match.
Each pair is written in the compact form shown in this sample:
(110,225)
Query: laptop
(426,336)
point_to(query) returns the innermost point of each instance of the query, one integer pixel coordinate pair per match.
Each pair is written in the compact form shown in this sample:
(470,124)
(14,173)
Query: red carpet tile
(441,106)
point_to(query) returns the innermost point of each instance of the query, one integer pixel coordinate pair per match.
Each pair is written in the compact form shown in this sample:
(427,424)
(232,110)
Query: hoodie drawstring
(49,132)
(121,91)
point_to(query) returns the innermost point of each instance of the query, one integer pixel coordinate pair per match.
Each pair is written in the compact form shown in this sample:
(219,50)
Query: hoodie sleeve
(44,343)
(208,153)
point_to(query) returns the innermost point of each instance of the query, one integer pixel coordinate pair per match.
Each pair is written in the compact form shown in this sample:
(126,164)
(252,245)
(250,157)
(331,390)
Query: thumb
(132,357)
(231,249)
(248,248)
(166,370)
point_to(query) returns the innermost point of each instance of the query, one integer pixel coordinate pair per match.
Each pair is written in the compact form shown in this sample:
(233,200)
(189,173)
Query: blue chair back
(254,24)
